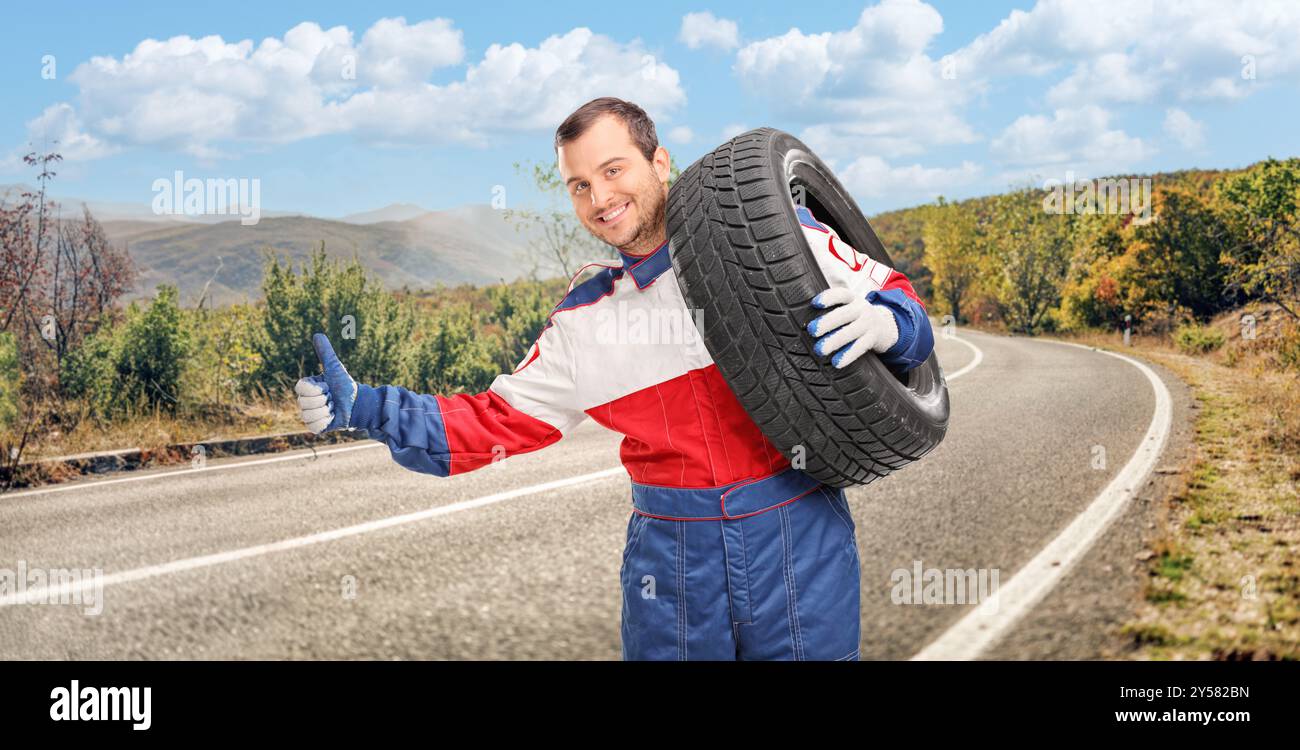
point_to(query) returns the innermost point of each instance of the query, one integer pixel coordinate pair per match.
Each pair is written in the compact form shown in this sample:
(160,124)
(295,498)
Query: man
(731,552)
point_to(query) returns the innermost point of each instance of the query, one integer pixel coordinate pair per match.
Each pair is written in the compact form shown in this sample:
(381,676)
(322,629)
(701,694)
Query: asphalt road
(239,563)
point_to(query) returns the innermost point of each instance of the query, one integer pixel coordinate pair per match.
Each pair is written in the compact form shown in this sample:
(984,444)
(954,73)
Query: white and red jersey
(622,348)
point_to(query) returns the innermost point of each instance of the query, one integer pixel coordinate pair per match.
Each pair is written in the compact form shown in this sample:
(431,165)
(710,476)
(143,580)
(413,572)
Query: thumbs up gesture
(325,401)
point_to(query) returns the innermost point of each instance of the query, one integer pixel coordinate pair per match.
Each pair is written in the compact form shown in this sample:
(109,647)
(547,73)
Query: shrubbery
(1197,339)
(196,362)
(10,380)
(134,363)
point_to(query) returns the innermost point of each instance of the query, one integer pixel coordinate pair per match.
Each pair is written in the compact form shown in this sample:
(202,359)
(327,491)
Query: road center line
(992,618)
(68,590)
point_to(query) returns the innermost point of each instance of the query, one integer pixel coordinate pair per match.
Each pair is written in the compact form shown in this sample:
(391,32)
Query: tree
(1262,207)
(1174,260)
(952,253)
(1028,257)
(88,275)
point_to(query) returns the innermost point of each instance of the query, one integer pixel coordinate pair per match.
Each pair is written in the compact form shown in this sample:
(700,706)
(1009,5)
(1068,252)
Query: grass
(75,433)
(1222,575)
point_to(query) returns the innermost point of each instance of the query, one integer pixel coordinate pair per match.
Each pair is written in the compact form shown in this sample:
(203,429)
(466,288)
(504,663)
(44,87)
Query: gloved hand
(852,329)
(325,401)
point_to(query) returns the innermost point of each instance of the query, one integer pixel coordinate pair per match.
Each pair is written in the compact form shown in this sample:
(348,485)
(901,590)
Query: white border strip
(979,357)
(65,591)
(991,619)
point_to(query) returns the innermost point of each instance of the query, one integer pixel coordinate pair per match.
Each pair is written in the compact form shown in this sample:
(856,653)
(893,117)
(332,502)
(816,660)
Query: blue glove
(325,401)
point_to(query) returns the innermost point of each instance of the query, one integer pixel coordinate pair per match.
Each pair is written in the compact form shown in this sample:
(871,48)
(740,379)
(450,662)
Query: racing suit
(731,552)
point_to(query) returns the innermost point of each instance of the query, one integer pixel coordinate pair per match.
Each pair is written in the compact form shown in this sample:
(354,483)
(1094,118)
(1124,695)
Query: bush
(453,356)
(224,361)
(10,382)
(366,324)
(136,363)
(1197,339)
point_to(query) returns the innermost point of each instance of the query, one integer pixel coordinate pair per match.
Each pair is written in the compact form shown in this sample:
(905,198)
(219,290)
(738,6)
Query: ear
(662,164)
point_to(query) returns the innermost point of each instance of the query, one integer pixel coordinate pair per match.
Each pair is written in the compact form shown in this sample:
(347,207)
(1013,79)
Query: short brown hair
(639,124)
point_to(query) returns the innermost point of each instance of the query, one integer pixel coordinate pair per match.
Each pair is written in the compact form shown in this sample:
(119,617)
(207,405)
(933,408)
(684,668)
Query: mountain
(471,244)
(395,212)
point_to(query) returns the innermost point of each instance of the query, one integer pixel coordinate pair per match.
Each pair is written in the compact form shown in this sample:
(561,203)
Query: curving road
(343,554)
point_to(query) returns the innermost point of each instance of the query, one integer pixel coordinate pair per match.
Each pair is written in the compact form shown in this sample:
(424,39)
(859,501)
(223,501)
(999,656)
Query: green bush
(135,363)
(1197,339)
(366,324)
(453,356)
(224,361)
(10,382)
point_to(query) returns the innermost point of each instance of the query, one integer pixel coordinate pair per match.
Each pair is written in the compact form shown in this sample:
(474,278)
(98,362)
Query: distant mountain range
(401,244)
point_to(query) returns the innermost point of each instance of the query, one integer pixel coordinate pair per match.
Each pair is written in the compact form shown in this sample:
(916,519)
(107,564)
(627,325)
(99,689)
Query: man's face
(618,195)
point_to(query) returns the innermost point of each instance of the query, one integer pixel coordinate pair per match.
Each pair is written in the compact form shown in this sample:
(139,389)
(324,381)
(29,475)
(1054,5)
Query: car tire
(742,260)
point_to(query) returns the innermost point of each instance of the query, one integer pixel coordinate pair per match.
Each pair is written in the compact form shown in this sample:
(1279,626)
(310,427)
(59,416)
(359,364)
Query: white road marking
(93,483)
(979,357)
(992,618)
(69,590)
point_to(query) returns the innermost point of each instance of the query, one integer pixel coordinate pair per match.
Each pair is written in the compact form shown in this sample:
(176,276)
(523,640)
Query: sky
(344,107)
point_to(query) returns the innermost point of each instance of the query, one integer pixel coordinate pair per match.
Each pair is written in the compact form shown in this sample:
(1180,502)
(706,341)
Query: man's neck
(643,247)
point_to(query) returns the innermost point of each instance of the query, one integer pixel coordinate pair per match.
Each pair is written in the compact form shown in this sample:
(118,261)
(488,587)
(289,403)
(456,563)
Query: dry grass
(1222,578)
(155,430)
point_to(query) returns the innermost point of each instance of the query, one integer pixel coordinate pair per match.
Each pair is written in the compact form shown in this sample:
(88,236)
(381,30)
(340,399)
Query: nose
(599,196)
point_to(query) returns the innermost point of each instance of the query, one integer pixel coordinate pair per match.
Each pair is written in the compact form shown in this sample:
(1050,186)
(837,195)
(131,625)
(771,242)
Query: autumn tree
(952,253)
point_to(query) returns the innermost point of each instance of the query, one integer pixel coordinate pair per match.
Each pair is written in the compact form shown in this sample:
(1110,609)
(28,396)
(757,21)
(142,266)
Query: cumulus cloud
(1079,139)
(203,95)
(1180,126)
(870,88)
(58,128)
(706,30)
(1126,51)
(873,177)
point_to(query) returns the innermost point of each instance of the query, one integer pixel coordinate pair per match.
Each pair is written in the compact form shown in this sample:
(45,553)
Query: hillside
(474,244)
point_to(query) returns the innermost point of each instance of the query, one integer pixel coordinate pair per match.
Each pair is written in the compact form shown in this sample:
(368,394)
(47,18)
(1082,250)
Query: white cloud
(870,88)
(59,129)
(395,54)
(1079,139)
(706,30)
(733,130)
(206,96)
(681,134)
(1180,126)
(1126,51)
(873,177)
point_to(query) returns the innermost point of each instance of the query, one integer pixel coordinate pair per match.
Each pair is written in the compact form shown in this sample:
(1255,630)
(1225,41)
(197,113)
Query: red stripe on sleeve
(897,280)
(484,427)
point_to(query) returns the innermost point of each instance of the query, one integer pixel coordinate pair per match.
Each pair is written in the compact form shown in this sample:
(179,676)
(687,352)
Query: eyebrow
(603,164)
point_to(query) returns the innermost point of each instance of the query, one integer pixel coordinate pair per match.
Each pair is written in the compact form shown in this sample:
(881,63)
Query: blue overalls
(753,570)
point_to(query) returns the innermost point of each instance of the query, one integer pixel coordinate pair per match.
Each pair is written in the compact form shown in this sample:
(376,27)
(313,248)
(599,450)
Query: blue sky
(906,100)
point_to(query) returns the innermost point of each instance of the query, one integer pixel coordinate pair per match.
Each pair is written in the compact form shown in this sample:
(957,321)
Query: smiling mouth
(615,215)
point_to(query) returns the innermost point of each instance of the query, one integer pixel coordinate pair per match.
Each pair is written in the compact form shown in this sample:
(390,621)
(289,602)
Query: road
(344,555)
